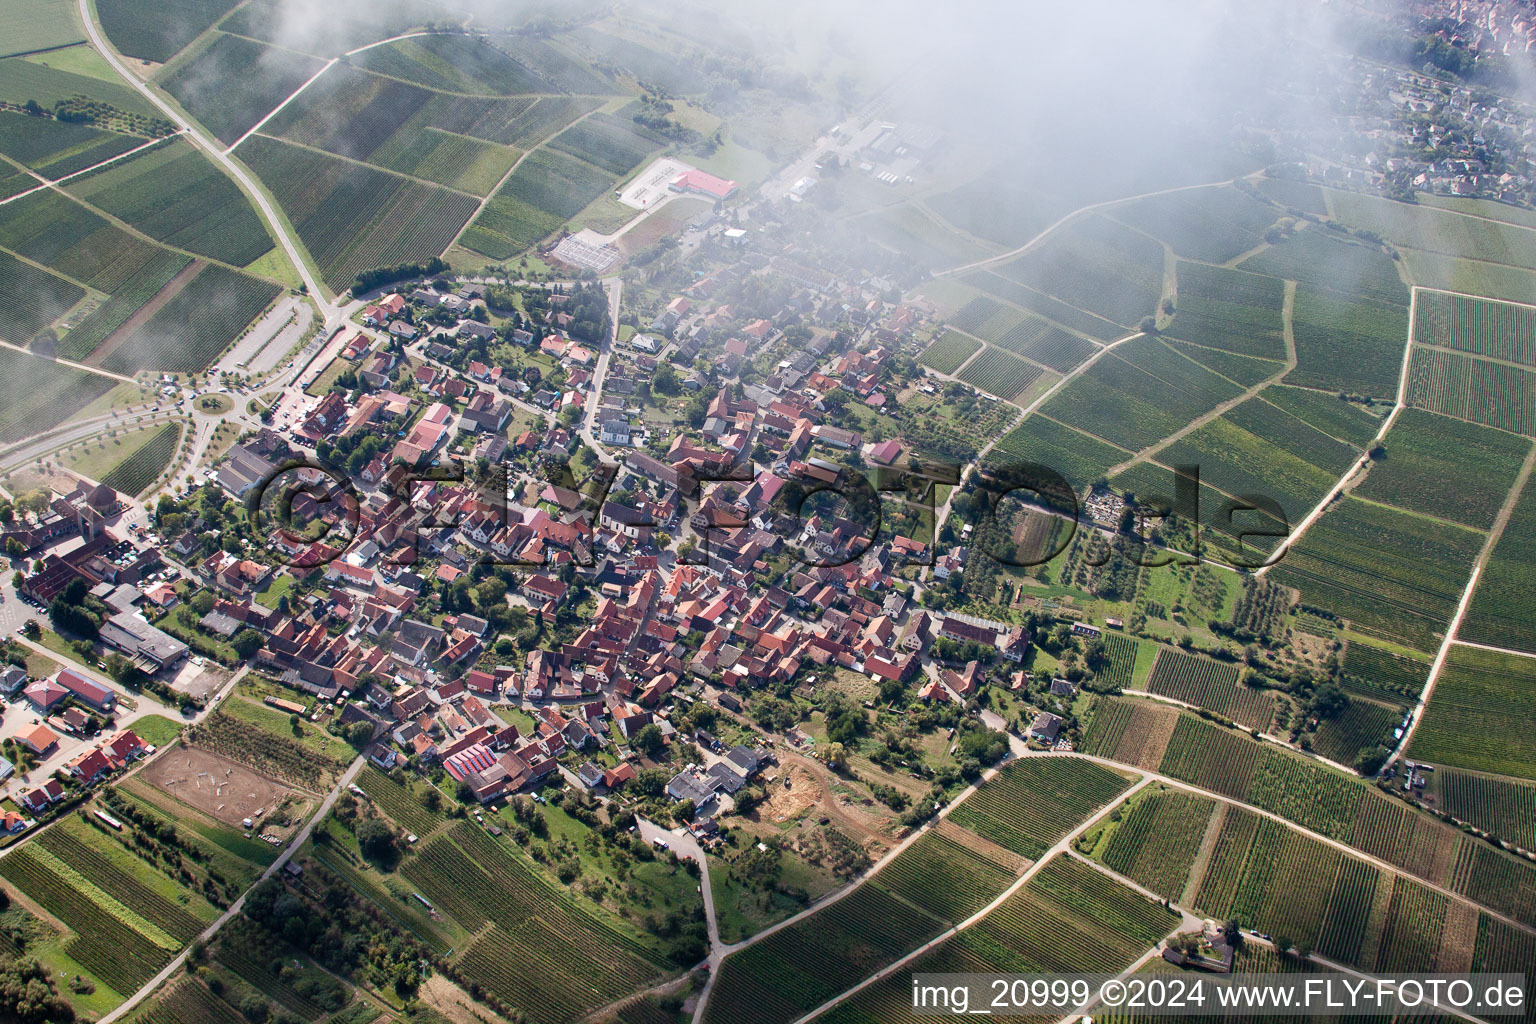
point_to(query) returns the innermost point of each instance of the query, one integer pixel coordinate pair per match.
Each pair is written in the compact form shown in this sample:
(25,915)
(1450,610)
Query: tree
(359,733)
(246,643)
(649,740)
(376,840)
(836,755)
(203,602)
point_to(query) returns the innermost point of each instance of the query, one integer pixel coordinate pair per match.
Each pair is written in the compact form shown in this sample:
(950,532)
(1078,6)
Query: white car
(198,660)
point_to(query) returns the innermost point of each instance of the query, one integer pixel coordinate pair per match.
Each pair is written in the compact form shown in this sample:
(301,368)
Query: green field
(157,32)
(195,325)
(37,394)
(1213,224)
(39,25)
(1034,802)
(1025,297)
(51,78)
(999,373)
(352,218)
(1440,231)
(1230,310)
(1295,195)
(1138,394)
(1445,468)
(175,194)
(1392,574)
(233,83)
(949,351)
(1503,608)
(1469,388)
(1096,266)
(1344,421)
(1327,261)
(1479,714)
(1210,684)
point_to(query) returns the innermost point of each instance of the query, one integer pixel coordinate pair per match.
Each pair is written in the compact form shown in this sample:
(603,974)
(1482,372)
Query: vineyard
(197,323)
(1495,879)
(1118,671)
(1000,373)
(1024,297)
(1410,936)
(1489,696)
(1214,224)
(938,875)
(1139,394)
(453,63)
(1348,344)
(398,800)
(277,756)
(1134,732)
(235,82)
(1373,671)
(1231,310)
(36,395)
(1287,882)
(1349,908)
(1218,886)
(82,339)
(1096,265)
(155,32)
(1078,458)
(1031,804)
(144,466)
(54,231)
(175,195)
(615,144)
(1503,608)
(123,887)
(453,160)
(796,969)
(1445,468)
(1211,757)
(1482,327)
(1322,260)
(1469,388)
(1392,574)
(949,352)
(1156,842)
(1245,371)
(122,957)
(1213,685)
(57,148)
(1501,806)
(266,962)
(31,299)
(1360,726)
(1307,793)
(1398,834)
(1344,421)
(188,1002)
(547,189)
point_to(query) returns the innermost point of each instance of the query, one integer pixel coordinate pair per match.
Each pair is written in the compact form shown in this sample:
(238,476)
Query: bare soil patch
(140,318)
(217,786)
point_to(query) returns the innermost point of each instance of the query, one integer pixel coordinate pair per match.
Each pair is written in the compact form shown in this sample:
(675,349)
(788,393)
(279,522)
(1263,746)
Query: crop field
(1360,726)
(938,875)
(1295,195)
(31,299)
(1442,231)
(38,394)
(453,63)
(949,351)
(1484,327)
(1445,468)
(1244,371)
(1078,458)
(83,338)
(1349,910)
(547,189)
(1211,757)
(1032,803)
(1156,842)
(398,799)
(1256,448)
(1305,792)
(195,325)
(1213,685)
(111,941)
(1324,260)
(544,949)
(175,195)
(1373,671)
(143,467)
(1001,374)
(1393,575)
(1503,608)
(1214,224)
(1218,886)
(1120,652)
(1097,266)
(1480,713)
(616,145)
(1138,394)
(352,218)
(1070,317)
(1287,883)
(1068,918)
(1134,732)
(1343,421)
(1495,879)
(1410,936)
(1210,313)
(235,82)
(1344,344)
(56,148)
(1505,807)
(798,968)
(1473,389)
(278,756)
(59,233)
(156,32)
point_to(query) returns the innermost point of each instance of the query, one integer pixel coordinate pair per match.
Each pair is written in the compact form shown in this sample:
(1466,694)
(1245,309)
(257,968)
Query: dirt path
(129,327)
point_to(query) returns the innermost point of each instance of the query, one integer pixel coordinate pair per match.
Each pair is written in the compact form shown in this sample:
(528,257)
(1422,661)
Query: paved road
(683,844)
(235,907)
(600,374)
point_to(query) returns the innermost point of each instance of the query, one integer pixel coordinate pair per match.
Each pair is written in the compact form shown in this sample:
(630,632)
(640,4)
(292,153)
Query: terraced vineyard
(135,473)
(1033,802)
(1213,685)
(999,373)
(1156,842)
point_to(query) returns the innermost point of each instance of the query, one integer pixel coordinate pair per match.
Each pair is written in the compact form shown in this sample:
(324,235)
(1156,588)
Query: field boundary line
(70,363)
(1495,650)
(1062,847)
(54,182)
(1359,467)
(1494,534)
(287,100)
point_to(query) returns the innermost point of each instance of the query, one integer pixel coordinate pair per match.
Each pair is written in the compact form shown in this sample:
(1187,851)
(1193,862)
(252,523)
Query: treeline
(368,280)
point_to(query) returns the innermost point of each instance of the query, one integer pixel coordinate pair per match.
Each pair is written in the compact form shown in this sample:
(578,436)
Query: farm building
(703,183)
